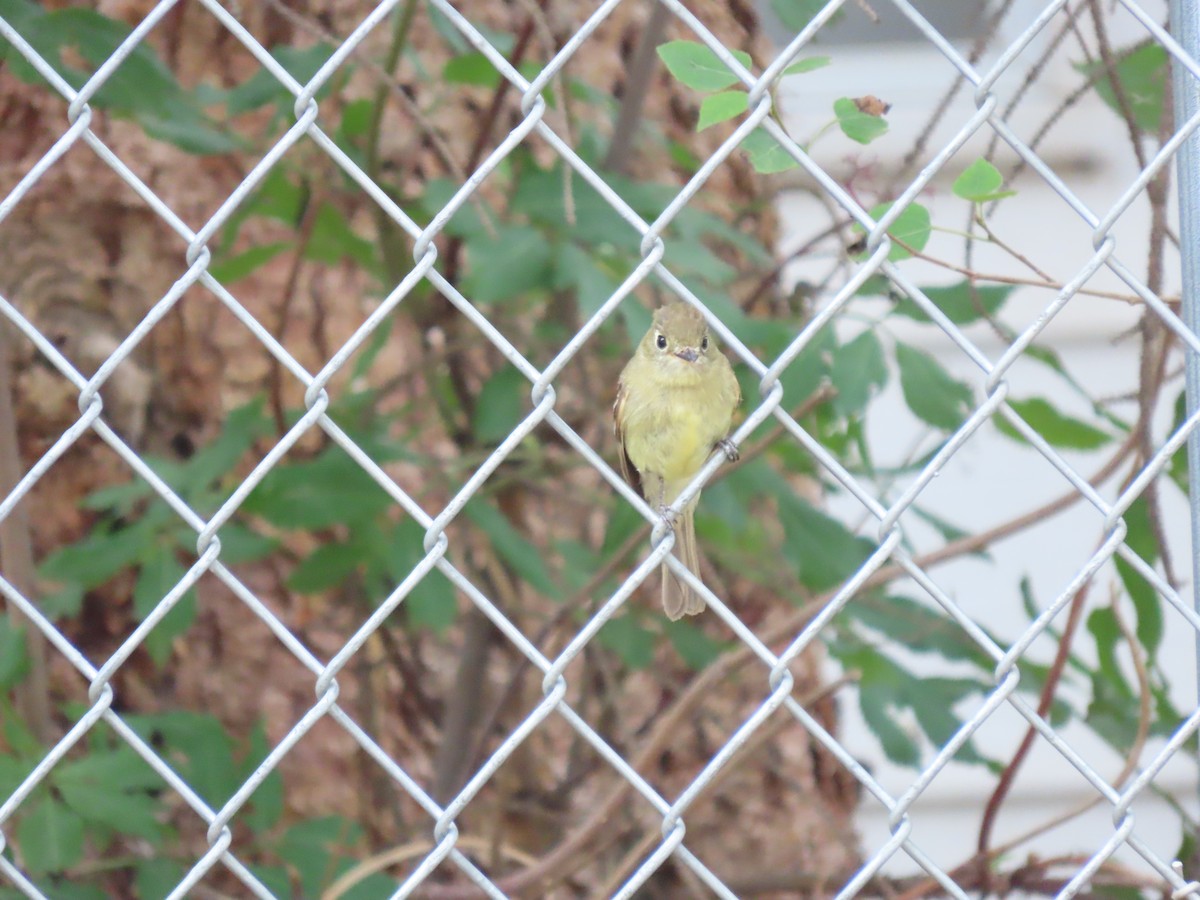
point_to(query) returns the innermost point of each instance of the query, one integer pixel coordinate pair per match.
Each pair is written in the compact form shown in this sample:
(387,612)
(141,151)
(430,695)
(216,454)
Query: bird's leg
(660,500)
(729,448)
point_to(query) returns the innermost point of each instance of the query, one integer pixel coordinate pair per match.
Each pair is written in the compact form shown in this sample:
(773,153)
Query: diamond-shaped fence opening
(310,326)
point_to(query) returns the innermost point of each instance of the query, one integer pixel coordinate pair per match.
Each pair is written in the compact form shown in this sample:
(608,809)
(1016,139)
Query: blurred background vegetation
(308,254)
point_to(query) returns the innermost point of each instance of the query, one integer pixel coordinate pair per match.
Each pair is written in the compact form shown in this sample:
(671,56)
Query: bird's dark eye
(704,342)
(661,342)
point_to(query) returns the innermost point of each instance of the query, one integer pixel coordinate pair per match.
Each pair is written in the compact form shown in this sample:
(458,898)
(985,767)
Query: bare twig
(633,94)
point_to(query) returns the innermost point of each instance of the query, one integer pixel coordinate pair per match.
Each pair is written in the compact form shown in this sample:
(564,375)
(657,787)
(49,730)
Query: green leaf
(682,157)
(278,197)
(905,622)
(141,83)
(856,124)
(897,744)
(886,688)
(696,66)
(276,879)
(263,87)
(1142,74)
(501,40)
(244,263)
(696,258)
(693,645)
(859,372)
(810,368)
(14,770)
(117,498)
(66,601)
(198,746)
(796,14)
(327,566)
(70,890)
(373,886)
(697,224)
(1112,712)
(963,303)
(980,182)
(721,107)
(767,154)
(240,544)
(331,489)
(19,14)
(929,390)
(1059,429)
(592,282)
(725,509)
(1141,540)
(822,551)
(98,556)
(118,768)
(334,240)
(948,530)
(500,405)
(623,521)
(159,575)
(509,265)
(188,131)
(265,806)
(432,603)
(811,64)
(13,661)
(912,227)
(523,556)
(157,877)
(471,68)
(356,119)
(366,356)
(630,640)
(50,837)
(538,196)
(1102,623)
(135,815)
(1189,849)
(213,462)
(933,701)
(309,847)
(17,735)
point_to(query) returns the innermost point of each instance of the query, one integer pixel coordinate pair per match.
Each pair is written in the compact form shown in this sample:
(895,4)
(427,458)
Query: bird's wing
(628,469)
(735,394)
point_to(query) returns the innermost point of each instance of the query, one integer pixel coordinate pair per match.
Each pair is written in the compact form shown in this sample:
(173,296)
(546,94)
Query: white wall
(993,479)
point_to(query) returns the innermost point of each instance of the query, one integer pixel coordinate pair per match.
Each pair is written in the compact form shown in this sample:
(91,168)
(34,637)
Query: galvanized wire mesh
(777,682)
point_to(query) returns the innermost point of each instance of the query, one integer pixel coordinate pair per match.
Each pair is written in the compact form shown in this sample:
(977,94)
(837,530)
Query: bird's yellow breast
(671,432)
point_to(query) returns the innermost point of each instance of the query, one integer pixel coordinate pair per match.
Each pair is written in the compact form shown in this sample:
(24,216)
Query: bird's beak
(687,354)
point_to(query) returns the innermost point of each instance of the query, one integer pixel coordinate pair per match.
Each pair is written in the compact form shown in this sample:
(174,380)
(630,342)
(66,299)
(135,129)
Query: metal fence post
(1185,26)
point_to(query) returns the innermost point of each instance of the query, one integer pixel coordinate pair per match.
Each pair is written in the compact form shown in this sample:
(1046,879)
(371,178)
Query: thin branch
(1145,713)
(633,94)
(1045,700)
(308,221)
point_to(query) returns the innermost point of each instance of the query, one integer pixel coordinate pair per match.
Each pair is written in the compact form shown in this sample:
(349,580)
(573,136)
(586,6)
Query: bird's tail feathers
(678,599)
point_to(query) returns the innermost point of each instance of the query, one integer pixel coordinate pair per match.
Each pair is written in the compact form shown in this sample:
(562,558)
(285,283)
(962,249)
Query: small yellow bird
(675,402)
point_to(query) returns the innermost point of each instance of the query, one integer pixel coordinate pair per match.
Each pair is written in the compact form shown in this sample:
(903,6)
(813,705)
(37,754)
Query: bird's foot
(729,448)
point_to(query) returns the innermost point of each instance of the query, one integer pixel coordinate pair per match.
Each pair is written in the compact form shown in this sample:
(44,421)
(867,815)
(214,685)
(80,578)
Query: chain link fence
(890,555)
